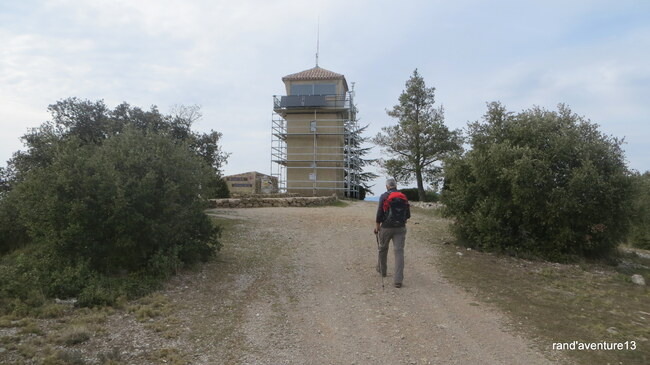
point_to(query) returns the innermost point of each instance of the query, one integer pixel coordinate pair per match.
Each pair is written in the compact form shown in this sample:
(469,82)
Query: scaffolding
(299,127)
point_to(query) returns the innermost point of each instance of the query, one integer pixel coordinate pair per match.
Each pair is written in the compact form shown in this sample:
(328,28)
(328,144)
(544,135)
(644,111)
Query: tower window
(313,89)
(302,89)
(324,89)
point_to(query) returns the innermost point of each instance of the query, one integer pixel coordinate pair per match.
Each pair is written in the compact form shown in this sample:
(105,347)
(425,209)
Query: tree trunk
(418,177)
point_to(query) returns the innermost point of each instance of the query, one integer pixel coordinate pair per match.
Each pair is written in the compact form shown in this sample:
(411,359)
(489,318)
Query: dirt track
(298,286)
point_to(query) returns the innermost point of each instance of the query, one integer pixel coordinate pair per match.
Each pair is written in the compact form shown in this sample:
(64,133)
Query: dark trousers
(398,235)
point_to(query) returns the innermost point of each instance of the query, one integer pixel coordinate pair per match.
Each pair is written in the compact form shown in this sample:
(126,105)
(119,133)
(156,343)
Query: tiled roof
(315,73)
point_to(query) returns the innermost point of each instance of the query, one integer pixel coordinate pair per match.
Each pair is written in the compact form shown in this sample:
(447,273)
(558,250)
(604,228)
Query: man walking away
(392,213)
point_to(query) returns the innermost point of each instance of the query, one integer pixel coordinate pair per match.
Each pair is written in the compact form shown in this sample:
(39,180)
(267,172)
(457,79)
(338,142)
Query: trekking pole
(379,263)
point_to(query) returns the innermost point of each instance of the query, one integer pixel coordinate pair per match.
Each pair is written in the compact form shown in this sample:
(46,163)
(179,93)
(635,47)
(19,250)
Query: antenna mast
(317,40)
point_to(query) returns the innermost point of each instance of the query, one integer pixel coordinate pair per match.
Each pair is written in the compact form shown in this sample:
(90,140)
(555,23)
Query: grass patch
(29,327)
(7,321)
(112,357)
(9,341)
(90,316)
(151,307)
(168,328)
(51,310)
(73,335)
(61,357)
(561,303)
(155,310)
(28,350)
(33,347)
(168,356)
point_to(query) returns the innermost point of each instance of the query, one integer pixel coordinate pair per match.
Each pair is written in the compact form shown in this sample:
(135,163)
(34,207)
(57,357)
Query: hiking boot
(398,285)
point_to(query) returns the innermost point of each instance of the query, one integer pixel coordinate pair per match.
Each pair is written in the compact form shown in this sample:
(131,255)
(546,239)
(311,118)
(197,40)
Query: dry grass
(151,307)
(168,356)
(168,327)
(553,303)
(52,310)
(64,357)
(29,349)
(60,334)
(73,335)
(29,327)
(112,357)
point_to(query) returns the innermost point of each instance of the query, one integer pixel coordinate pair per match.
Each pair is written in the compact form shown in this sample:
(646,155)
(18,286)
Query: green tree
(640,229)
(358,162)
(539,182)
(420,141)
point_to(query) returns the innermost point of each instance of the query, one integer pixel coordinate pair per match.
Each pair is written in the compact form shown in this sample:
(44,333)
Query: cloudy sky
(229,58)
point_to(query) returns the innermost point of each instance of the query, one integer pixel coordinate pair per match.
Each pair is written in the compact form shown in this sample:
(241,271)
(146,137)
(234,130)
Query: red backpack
(395,208)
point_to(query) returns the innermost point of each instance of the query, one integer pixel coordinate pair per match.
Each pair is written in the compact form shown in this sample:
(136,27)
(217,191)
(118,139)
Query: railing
(311,101)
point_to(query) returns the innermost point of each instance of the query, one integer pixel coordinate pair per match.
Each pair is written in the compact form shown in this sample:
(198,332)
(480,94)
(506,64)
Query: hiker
(392,213)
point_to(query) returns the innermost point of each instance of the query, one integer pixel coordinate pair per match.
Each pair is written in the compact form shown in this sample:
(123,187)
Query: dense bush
(640,229)
(105,204)
(120,205)
(413,195)
(540,182)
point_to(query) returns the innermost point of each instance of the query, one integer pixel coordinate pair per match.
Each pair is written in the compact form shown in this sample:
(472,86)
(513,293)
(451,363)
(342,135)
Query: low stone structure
(278,195)
(263,202)
(252,182)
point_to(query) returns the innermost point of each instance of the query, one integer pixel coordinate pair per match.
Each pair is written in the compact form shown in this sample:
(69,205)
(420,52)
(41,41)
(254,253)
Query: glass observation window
(324,89)
(302,89)
(313,89)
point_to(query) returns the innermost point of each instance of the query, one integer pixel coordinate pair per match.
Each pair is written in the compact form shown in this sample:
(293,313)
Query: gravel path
(299,286)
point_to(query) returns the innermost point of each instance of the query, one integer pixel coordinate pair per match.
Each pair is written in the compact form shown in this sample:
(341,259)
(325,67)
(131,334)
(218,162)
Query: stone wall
(277,195)
(263,202)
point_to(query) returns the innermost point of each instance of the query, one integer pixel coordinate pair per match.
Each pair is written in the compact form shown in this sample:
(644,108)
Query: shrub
(104,205)
(539,182)
(640,229)
(122,205)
